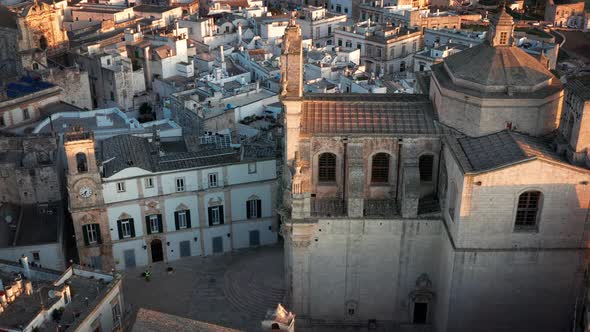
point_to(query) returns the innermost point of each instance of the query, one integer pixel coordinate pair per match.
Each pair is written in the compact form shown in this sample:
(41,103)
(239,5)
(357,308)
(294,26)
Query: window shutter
(132,227)
(98,237)
(85,234)
(221,219)
(147,224)
(258,208)
(176,223)
(210,214)
(120,228)
(248,210)
(188,218)
(160,228)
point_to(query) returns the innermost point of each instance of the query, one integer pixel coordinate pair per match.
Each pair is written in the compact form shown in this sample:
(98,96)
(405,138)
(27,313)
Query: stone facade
(29,35)
(565,14)
(431,237)
(29,174)
(86,202)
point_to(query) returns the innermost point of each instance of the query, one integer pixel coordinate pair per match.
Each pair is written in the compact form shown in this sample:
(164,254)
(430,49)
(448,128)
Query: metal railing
(328,207)
(382,208)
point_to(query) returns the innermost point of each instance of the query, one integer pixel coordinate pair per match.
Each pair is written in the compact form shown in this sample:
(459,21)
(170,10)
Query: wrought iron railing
(382,208)
(328,207)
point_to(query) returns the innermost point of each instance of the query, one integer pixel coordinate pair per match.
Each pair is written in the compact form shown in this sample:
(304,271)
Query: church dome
(490,69)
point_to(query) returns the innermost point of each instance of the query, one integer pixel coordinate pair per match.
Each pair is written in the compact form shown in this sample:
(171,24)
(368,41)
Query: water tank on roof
(228,106)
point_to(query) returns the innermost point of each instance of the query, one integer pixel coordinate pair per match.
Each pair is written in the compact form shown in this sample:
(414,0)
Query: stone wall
(75,85)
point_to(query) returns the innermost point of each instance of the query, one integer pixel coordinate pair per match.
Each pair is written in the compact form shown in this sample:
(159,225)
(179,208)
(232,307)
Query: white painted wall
(51,255)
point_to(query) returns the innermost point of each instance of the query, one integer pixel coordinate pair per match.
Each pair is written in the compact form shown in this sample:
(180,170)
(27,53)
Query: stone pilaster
(300,237)
(410,191)
(355,180)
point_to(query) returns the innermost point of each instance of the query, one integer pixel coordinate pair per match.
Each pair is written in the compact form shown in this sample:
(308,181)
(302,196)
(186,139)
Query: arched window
(380,168)
(81,163)
(327,167)
(402,67)
(43,43)
(527,211)
(425,165)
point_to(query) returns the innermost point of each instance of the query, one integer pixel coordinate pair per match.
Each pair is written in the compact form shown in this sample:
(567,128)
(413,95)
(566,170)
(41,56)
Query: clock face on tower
(85,191)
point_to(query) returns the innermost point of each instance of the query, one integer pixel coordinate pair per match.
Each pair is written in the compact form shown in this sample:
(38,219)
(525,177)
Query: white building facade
(177,205)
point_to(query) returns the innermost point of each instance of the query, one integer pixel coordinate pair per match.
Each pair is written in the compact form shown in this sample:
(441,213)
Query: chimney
(176,28)
(147,70)
(240,34)
(24,260)
(223,67)
(28,287)
(138,28)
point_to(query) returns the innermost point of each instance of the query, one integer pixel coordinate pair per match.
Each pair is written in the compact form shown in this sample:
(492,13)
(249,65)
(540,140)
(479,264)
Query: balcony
(328,207)
(380,208)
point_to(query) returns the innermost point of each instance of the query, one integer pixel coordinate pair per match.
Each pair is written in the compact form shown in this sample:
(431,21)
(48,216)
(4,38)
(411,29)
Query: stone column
(355,182)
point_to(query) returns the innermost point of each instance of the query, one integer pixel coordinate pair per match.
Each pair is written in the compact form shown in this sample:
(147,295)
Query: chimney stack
(239,34)
(24,260)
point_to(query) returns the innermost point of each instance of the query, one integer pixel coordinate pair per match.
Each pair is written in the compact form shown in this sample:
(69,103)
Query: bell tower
(501,33)
(292,86)
(86,202)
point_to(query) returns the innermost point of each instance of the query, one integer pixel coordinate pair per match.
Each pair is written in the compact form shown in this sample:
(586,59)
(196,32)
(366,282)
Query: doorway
(217,244)
(157,252)
(129,258)
(185,248)
(254,238)
(420,313)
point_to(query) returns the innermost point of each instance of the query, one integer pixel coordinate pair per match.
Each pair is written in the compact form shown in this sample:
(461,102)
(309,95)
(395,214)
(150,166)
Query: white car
(549,25)
(535,24)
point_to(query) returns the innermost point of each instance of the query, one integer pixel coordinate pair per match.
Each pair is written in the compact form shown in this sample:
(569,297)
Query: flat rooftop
(22,225)
(103,119)
(240,100)
(87,289)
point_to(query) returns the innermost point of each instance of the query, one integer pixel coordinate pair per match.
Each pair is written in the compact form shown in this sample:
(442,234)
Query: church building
(458,210)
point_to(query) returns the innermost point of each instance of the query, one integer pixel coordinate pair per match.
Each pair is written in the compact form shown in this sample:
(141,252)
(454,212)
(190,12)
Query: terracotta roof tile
(367,114)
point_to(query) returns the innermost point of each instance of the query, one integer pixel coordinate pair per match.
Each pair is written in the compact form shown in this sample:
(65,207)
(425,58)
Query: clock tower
(86,202)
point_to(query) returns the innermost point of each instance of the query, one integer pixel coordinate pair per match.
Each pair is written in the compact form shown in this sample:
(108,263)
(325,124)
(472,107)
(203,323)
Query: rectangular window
(149,182)
(251,168)
(182,219)
(179,184)
(215,215)
(4,172)
(212,180)
(2,123)
(36,256)
(112,96)
(125,228)
(253,209)
(26,115)
(92,233)
(154,223)
(503,38)
(120,187)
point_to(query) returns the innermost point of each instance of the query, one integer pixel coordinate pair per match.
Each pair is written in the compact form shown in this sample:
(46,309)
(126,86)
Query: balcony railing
(380,208)
(328,207)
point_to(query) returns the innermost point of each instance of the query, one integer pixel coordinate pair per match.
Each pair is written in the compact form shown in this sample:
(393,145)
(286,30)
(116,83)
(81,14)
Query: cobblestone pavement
(232,290)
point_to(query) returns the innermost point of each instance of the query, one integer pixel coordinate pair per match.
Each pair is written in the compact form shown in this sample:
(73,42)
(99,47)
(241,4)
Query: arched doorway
(426,169)
(157,252)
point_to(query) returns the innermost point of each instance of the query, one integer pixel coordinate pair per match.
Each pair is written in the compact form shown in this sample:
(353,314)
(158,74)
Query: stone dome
(500,69)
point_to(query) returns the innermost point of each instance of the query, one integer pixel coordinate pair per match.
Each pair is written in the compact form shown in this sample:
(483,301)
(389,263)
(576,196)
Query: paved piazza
(233,290)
